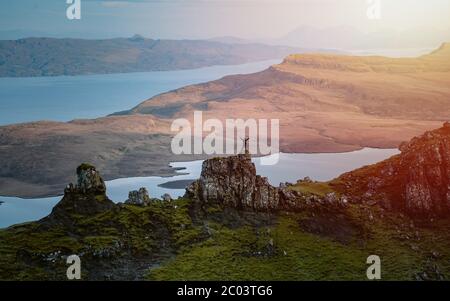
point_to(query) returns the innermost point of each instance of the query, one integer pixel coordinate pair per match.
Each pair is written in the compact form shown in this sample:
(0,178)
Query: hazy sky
(212,18)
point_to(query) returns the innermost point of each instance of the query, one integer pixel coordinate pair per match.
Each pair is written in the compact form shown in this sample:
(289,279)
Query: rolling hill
(325,103)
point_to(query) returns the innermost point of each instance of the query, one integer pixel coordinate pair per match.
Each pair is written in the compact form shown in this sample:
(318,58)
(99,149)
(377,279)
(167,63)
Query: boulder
(166,197)
(232,182)
(138,197)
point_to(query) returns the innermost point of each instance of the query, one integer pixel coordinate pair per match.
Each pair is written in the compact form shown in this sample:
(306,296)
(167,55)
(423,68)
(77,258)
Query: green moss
(213,209)
(217,249)
(134,230)
(243,253)
(316,188)
(269,253)
(100,241)
(100,198)
(84,166)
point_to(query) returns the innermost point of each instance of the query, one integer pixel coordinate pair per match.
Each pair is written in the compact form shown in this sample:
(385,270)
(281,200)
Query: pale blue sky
(211,18)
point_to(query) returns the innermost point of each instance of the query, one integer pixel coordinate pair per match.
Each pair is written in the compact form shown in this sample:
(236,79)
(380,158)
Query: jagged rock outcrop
(232,181)
(166,197)
(87,197)
(426,161)
(138,197)
(89,180)
(417,181)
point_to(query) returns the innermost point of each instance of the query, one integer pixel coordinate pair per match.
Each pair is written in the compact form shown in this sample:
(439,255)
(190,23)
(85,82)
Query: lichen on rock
(88,179)
(138,197)
(232,182)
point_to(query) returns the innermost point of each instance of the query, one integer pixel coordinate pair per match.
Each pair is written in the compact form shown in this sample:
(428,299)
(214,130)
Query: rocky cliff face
(416,181)
(232,182)
(426,161)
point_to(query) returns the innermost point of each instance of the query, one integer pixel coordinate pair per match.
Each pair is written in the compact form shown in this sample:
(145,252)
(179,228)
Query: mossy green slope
(286,251)
(178,241)
(125,238)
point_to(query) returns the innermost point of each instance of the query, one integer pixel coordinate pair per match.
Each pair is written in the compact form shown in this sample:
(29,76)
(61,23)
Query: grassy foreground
(178,241)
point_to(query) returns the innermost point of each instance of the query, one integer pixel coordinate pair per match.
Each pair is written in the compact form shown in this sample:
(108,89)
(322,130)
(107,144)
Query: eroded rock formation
(138,197)
(416,181)
(232,181)
(87,197)
(89,180)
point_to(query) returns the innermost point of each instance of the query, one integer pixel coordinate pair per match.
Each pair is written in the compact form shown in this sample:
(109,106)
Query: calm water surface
(290,168)
(64,98)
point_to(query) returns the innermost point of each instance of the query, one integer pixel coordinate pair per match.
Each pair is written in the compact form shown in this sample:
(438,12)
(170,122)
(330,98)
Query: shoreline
(176,166)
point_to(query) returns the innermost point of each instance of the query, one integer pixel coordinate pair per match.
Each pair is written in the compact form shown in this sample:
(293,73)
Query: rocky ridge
(417,181)
(233,182)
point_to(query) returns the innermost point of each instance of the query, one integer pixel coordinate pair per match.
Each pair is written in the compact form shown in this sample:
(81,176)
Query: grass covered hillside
(171,241)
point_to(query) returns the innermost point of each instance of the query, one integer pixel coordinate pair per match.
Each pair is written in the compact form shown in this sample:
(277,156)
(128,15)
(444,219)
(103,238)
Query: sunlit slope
(330,102)
(325,103)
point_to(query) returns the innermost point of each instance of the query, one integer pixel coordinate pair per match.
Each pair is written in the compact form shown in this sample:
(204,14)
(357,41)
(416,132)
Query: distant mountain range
(349,38)
(52,57)
(70,56)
